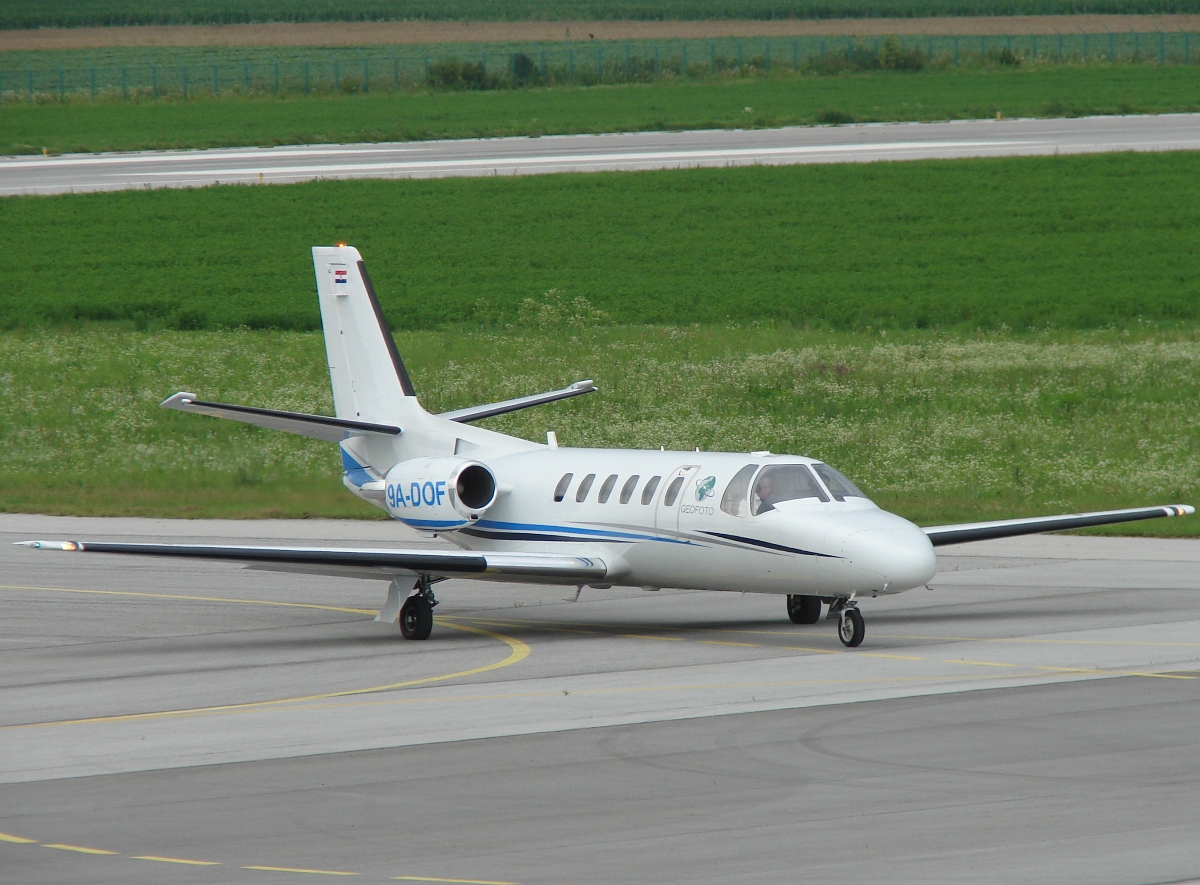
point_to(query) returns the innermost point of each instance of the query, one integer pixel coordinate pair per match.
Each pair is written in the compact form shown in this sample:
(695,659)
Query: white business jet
(520,510)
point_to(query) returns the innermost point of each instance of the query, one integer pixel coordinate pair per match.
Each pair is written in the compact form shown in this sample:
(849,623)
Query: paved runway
(594,153)
(1033,718)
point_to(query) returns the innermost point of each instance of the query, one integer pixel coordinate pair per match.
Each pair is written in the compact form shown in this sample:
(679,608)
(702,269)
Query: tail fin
(369,380)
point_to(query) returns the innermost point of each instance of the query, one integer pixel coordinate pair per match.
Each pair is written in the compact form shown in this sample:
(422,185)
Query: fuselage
(707,521)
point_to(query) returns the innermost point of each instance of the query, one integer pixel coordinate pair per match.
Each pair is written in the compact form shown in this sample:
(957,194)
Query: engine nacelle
(439,494)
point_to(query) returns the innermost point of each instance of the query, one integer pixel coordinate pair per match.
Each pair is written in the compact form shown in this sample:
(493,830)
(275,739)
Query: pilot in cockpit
(764,495)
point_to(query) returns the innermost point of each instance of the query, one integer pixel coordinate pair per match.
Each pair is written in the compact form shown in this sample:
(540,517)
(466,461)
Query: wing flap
(940,535)
(314,426)
(537,566)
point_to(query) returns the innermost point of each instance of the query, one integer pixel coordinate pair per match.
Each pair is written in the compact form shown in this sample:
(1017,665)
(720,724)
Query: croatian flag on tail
(339,276)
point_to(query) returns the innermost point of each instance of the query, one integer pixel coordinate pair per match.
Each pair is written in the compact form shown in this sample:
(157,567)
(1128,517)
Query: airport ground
(1032,718)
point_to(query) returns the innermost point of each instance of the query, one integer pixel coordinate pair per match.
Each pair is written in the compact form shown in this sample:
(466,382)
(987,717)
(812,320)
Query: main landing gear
(416,615)
(804,609)
(851,627)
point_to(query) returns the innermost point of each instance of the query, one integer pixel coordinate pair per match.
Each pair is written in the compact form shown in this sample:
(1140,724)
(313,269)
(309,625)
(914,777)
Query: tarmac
(77,173)
(1031,718)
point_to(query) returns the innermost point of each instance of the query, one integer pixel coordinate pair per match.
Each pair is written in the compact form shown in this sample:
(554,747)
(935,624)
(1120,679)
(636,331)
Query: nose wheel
(851,627)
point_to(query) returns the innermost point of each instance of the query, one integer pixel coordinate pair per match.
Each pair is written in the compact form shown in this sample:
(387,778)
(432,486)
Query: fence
(511,65)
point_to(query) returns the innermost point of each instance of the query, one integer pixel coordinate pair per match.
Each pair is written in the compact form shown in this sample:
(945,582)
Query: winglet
(179,401)
(50,545)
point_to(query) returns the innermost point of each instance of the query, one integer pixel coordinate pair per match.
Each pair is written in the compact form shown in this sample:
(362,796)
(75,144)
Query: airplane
(540,513)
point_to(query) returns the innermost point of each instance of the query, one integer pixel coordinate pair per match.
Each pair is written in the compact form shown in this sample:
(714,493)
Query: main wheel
(804,609)
(851,628)
(416,618)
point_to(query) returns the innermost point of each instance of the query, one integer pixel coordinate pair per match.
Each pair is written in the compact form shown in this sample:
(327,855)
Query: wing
(315,426)
(475,413)
(1004,528)
(545,567)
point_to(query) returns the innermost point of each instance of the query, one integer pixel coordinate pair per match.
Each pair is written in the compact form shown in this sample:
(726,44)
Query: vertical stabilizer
(369,380)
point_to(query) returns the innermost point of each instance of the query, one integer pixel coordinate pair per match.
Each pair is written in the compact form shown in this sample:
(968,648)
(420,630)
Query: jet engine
(439,494)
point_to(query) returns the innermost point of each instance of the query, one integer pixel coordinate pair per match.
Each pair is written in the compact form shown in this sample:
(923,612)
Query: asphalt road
(594,153)
(1034,718)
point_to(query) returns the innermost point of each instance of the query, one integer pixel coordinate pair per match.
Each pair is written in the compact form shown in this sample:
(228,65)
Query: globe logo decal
(704,487)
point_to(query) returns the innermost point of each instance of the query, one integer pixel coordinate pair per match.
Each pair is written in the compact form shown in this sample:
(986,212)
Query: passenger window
(585,486)
(627,489)
(737,493)
(606,489)
(650,489)
(786,482)
(840,487)
(561,489)
(673,491)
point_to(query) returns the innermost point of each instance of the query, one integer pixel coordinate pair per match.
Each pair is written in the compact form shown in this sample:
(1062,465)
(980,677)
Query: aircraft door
(666,511)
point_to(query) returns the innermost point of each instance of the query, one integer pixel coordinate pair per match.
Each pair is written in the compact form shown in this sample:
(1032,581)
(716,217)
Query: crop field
(782,98)
(1075,242)
(937,427)
(75,13)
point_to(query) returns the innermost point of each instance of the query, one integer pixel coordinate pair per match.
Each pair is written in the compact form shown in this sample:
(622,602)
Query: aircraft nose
(901,553)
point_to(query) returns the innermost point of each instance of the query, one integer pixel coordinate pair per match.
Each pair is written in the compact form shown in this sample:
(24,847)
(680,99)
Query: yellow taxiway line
(301,870)
(518,651)
(77,848)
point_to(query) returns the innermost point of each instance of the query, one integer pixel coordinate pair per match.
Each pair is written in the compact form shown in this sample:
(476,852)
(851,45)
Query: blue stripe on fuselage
(575,533)
(432,523)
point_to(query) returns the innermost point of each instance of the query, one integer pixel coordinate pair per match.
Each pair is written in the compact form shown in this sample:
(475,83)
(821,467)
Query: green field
(1028,243)
(776,100)
(74,13)
(940,428)
(141,73)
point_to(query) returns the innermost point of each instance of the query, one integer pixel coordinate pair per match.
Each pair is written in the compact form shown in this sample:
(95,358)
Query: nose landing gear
(851,627)
(807,610)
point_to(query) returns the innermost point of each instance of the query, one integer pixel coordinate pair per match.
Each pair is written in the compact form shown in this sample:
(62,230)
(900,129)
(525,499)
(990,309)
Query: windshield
(840,487)
(786,482)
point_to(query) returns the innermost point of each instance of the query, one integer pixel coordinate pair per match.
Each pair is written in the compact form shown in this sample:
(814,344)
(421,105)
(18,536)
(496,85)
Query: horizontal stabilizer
(1005,528)
(475,413)
(315,426)
(558,568)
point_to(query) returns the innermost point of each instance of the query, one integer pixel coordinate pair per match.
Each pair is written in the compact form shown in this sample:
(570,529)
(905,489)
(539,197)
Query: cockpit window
(784,482)
(840,487)
(733,501)
(561,489)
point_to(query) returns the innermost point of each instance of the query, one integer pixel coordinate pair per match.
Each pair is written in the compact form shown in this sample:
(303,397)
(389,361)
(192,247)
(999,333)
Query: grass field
(1070,242)
(777,100)
(74,13)
(937,427)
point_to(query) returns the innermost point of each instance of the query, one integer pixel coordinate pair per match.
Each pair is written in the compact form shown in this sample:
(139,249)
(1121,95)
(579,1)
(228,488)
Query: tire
(416,618)
(804,609)
(851,628)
